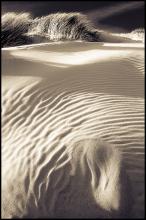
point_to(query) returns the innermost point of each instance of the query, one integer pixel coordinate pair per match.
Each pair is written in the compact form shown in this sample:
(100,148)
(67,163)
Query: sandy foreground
(54,94)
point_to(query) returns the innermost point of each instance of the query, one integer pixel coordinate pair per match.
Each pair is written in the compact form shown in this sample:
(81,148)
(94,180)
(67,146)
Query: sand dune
(58,98)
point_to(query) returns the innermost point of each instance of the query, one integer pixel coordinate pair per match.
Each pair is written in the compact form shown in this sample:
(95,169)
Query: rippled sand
(58,100)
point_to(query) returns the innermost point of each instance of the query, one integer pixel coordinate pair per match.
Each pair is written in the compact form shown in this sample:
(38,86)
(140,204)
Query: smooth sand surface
(54,95)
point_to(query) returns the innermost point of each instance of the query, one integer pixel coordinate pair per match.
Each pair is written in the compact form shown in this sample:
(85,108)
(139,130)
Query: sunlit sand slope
(62,103)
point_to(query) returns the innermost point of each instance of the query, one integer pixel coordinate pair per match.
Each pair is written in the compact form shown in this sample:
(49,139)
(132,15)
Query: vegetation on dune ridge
(20,29)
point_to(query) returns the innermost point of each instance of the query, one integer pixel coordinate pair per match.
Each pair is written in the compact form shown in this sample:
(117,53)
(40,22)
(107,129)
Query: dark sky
(110,15)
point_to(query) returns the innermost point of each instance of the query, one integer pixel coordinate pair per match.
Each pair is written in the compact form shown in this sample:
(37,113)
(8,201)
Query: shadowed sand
(54,95)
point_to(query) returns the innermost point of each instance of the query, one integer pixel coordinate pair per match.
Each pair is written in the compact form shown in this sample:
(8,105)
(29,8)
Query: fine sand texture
(73,130)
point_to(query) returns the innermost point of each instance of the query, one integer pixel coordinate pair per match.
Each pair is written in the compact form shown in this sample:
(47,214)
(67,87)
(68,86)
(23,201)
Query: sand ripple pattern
(40,120)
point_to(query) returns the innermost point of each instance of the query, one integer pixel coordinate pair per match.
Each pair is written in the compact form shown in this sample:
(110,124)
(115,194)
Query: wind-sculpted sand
(68,110)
